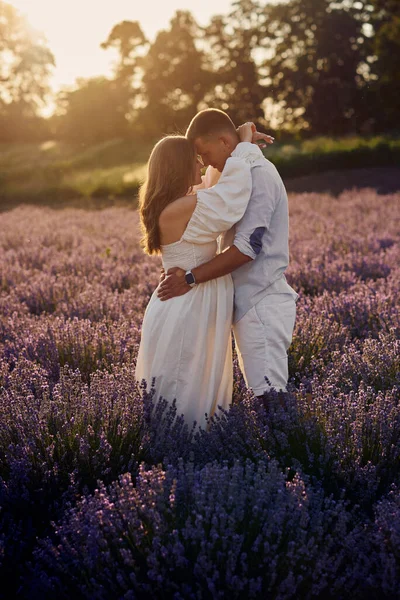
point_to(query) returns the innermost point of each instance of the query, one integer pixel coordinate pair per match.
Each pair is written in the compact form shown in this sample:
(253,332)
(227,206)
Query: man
(256,252)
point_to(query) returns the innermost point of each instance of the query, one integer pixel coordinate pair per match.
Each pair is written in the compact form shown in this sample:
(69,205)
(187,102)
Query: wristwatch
(189,278)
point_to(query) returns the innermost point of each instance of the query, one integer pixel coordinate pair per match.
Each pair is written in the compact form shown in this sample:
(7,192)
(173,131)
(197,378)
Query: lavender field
(103,498)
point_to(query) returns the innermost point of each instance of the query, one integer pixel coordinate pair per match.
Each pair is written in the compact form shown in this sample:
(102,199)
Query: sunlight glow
(75,29)
(48,145)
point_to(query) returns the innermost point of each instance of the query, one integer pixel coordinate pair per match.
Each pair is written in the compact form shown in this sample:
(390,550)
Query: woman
(186,342)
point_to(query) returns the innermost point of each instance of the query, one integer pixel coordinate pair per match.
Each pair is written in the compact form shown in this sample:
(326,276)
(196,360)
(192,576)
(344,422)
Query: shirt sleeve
(222,205)
(256,221)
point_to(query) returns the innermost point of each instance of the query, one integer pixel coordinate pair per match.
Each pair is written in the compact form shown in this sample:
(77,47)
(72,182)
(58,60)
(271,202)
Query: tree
(233,41)
(25,67)
(101,108)
(385,92)
(176,77)
(129,40)
(317,68)
(91,113)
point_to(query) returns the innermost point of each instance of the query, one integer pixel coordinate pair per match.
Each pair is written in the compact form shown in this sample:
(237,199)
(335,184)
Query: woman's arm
(210,178)
(175,217)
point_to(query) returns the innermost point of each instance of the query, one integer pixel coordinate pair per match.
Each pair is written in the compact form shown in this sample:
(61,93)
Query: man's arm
(174,283)
(246,245)
(221,265)
(250,230)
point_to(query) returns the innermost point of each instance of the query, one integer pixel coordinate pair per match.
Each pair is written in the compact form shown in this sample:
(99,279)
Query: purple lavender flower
(105,491)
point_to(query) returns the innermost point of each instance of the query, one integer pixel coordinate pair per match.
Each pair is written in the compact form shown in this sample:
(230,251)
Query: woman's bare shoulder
(181,209)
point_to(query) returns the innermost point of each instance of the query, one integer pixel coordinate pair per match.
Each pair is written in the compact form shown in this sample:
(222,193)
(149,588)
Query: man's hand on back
(174,284)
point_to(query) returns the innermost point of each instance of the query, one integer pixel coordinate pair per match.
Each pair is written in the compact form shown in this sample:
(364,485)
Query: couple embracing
(223,240)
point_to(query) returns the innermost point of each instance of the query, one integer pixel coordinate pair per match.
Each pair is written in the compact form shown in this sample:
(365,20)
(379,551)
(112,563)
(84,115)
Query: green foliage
(316,49)
(128,38)
(233,39)
(177,76)
(318,66)
(25,65)
(92,113)
(55,173)
(385,48)
(324,154)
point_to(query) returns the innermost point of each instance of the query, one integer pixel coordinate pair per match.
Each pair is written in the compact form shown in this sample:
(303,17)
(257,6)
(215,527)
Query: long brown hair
(170,175)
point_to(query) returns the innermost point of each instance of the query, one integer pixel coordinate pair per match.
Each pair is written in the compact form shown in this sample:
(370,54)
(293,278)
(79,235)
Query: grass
(55,173)
(324,154)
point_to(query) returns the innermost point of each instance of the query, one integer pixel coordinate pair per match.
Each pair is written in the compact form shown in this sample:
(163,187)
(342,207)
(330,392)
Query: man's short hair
(209,122)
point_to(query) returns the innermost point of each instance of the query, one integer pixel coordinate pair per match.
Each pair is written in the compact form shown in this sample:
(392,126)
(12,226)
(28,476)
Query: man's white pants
(263,336)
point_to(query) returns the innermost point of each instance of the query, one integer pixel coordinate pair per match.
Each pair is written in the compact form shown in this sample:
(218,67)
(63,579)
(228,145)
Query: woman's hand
(261,139)
(245,132)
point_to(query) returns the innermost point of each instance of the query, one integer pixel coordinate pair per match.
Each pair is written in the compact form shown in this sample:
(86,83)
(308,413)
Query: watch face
(189,278)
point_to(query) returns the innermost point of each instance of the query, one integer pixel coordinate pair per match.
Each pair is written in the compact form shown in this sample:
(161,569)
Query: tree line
(318,67)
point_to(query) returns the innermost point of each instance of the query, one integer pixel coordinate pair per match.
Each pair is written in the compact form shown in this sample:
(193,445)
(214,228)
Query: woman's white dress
(186,341)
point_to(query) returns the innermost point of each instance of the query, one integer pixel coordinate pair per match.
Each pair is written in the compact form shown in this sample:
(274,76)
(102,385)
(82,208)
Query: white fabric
(186,341)
(263,336)
(263,235)
(264,302)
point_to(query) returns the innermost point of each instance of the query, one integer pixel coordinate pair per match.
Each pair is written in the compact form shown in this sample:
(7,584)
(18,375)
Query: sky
(75,28)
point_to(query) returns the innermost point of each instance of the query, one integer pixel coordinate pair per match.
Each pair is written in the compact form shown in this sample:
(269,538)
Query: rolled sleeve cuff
(243,245)
(250,245)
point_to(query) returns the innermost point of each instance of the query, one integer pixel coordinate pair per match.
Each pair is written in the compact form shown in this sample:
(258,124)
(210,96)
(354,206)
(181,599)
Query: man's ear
(227,142)
(224,140)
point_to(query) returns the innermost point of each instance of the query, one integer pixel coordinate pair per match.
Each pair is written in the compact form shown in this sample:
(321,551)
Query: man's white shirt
(262,234)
